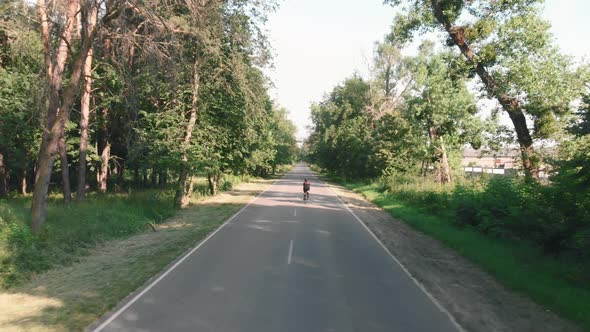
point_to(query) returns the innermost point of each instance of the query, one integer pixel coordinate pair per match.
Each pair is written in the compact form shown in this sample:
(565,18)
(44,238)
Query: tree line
(416,113)
(405,126)
(104,94)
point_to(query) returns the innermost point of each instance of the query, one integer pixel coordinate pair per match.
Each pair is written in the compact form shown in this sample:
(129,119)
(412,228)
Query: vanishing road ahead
(282,264)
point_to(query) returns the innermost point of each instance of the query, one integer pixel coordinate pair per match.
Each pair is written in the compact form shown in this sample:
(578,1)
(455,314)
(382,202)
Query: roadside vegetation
(116,114)
(398,135)
(499,240)
(72,231)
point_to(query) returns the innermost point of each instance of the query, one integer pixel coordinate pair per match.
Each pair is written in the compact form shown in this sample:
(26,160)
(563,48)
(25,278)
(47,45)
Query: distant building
(503,158)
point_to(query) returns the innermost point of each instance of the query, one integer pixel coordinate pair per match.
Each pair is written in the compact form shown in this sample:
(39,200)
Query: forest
(140,102)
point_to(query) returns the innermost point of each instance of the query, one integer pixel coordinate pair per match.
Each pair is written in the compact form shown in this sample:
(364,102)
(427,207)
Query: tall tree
(441,105)
(88,25)
(21,88)
(60,105)
(508,46)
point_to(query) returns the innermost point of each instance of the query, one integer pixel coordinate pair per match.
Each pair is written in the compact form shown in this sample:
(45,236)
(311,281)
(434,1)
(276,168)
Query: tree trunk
(162,178)
(444,170)
(84,117)
(154,179)
(183,200)
(103,170)
(121,174)
(23,183)
(213,179)
(136,180)
(144,182)
(185,182)
(65,169)
(51,133)
(49,150)
(104,148)
(510,104)
(3,178)
(55,71)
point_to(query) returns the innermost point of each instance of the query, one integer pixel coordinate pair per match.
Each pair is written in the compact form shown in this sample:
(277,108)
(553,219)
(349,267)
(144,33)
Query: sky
(318,43)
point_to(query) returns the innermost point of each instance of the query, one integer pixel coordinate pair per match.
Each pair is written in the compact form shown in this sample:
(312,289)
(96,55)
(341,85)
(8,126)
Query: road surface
(283,264)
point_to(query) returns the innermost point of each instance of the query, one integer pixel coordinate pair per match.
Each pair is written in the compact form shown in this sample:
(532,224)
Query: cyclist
(306,187)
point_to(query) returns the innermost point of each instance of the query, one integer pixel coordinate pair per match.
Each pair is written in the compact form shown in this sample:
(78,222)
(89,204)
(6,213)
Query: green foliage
(559,283)
(580,125)
(554,217)
(342,134)
(513,43)
(360,133)
(72,230)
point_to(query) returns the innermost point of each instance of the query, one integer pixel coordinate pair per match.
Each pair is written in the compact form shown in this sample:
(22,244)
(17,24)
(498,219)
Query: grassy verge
(518,265)
(71,297)
(71,231)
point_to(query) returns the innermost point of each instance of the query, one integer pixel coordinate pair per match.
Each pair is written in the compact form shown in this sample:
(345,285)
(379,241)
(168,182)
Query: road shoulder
(473,297)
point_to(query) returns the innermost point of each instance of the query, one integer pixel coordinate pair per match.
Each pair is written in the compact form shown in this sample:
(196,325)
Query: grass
(72,296)
(520,266)
(71,231)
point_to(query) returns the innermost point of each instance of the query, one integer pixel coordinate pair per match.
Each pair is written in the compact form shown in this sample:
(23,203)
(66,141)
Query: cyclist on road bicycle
(306,187)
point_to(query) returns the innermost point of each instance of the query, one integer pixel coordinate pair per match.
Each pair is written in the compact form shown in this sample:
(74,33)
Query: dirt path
(472,296)
(71,298)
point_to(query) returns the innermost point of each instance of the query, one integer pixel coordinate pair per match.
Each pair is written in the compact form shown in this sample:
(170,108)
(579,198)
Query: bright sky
(318,43)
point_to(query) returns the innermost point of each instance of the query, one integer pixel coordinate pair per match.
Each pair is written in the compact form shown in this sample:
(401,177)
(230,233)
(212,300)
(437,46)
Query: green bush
(554,216)
(230,180)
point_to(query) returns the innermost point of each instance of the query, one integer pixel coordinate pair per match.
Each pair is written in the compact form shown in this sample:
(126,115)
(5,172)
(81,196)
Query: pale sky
(318,43)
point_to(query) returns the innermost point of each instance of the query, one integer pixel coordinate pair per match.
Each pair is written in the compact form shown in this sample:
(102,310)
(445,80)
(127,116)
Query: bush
(554,216)
(230,180)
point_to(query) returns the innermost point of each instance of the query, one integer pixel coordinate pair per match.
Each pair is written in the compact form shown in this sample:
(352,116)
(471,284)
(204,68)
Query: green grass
(518,265)
(70,231)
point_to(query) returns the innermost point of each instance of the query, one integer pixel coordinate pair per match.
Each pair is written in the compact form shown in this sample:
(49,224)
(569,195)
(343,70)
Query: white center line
(290,252)
(295,212)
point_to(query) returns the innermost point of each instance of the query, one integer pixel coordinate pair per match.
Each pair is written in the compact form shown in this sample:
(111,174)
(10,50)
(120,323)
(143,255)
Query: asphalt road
(284,264)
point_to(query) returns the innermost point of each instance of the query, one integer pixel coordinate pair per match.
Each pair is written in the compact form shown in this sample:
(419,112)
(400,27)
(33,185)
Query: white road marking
(432,298)
(163,275)
(290,252)
(295,212)
(262,221)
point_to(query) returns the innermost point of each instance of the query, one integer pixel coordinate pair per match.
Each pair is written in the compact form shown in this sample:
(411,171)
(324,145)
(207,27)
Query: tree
(207,114)
(89,24)
(508,46)
(60,104)
(441,106)
(389,81)
(581,124)
(283,131)
(20,63)
(341,139)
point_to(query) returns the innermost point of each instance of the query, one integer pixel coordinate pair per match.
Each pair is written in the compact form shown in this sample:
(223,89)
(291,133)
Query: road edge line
(175,265)
(408,273)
